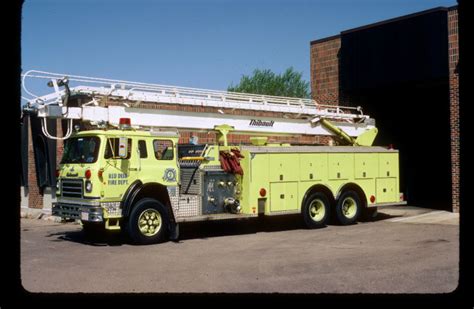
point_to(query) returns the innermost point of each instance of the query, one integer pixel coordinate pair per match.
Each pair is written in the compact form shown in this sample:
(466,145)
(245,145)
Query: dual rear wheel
(317,209)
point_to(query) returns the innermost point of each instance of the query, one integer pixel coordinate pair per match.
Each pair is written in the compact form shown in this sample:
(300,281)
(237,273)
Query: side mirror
(123,147)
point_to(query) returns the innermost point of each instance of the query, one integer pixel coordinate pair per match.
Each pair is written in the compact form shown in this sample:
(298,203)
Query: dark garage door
(398,71)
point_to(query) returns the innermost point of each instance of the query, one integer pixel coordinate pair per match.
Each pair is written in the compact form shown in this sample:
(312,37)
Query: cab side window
(142,149)
(112,149)
(163,149)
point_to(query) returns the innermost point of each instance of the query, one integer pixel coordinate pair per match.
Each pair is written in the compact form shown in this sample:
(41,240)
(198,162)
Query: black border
(13,295)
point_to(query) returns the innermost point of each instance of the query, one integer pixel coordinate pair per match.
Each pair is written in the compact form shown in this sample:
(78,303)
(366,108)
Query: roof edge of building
(439,8)
(329,38)
(395,19)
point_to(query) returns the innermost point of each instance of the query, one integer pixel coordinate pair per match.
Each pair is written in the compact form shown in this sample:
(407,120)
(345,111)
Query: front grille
(71,188)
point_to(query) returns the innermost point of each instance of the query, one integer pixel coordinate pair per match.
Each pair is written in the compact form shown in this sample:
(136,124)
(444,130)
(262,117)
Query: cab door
(158,160)
(119,171)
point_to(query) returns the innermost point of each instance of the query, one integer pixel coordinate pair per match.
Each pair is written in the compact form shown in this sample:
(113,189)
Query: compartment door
(284,167)
(366,166)
(277,197)
(386,190)
(388,165)
(313,166)
(341,166)
(283,196)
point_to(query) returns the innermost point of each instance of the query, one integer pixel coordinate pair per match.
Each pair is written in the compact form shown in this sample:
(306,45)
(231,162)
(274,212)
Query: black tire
(315,210)
(148,222)
(369,214)
(348,208)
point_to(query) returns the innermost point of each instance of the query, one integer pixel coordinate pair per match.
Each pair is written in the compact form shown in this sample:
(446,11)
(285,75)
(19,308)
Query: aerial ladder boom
(111,100)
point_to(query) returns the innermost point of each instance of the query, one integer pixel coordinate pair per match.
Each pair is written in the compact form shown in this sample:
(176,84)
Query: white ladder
(296,116)
(128,91)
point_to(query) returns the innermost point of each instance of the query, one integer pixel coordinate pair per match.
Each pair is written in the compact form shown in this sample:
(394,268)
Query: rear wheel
(316,210)
(148,222)
(348,208)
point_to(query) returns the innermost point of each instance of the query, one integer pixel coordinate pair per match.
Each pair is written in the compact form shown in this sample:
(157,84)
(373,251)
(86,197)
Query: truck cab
(101,172)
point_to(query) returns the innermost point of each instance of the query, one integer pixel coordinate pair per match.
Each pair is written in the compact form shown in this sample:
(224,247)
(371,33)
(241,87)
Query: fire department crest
(169,175)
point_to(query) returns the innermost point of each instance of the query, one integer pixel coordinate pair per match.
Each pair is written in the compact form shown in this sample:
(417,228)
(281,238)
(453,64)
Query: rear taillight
(402,197)
(58,172)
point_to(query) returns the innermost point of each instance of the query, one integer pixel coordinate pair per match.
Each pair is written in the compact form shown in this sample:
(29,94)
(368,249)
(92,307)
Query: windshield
(81,150)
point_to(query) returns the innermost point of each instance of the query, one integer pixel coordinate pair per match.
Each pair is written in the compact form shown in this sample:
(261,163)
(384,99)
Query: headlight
(88,186)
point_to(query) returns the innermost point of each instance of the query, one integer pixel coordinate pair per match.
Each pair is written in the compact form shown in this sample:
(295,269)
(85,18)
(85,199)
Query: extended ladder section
(295,115)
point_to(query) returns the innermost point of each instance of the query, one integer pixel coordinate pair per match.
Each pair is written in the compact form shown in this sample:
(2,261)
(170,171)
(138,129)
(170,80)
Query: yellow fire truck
(130,173)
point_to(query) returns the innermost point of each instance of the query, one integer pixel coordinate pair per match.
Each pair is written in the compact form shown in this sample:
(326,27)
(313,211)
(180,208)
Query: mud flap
(174,231)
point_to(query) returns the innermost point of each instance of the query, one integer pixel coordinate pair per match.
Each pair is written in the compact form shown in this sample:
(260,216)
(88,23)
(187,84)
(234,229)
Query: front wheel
(316,210)
(348,207)
(148,222)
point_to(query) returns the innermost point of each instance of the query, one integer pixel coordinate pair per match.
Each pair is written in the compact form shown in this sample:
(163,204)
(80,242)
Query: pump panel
(217,186)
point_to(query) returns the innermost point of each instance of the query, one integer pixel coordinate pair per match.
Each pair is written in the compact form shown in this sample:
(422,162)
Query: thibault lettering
(261,123)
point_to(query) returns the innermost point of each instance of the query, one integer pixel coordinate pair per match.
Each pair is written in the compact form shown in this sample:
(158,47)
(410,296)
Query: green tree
(288,84)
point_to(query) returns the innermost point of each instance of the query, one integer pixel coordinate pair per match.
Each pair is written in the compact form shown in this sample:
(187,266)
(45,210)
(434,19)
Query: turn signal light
(58,172)
(100,173)
(263,192)
(88,174)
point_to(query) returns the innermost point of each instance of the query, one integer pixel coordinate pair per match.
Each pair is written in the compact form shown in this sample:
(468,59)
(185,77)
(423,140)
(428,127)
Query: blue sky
(204,44)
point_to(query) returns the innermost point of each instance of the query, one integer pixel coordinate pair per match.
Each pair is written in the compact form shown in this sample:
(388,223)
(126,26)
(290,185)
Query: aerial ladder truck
(127,171)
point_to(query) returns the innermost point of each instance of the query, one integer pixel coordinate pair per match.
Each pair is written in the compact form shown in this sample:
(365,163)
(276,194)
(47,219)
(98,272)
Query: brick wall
(454,102)
(325,70)
(59,143)
(35,196)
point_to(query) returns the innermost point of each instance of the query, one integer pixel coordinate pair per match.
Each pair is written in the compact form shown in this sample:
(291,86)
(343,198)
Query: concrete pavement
(389,255)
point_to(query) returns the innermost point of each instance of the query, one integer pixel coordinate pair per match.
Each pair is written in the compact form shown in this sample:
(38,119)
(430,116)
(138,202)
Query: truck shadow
(105,238)
(210,229)
(202,230)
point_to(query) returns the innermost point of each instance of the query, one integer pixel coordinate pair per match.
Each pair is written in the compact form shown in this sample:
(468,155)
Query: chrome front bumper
(77,211)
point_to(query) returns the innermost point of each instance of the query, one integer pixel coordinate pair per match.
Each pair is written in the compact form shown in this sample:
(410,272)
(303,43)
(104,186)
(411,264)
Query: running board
(214,217)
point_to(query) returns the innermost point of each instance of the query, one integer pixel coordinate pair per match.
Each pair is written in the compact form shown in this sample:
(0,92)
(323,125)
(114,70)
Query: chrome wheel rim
(317,210)
(149,222)
(349,207)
